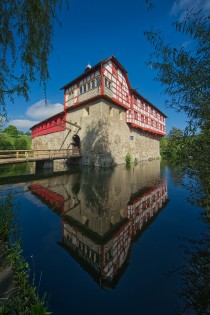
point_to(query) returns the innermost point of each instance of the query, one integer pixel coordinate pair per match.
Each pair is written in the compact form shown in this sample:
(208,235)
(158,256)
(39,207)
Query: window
(93,84)
(88,86)
(107,83)
(69,95)
(121,114)
(80,90)
(98,81)
(84,88)
(135,115)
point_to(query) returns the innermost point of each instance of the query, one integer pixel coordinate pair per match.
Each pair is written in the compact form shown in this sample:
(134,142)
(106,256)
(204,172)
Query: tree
(21,144)
(11,130)
(171,146)
(26,30)
(28,133)
(5,144)
(185,73)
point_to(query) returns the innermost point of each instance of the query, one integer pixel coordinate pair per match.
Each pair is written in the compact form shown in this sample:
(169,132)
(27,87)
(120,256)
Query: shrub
(128,159)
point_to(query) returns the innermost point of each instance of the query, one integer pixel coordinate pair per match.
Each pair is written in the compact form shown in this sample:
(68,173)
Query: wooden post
(17,154)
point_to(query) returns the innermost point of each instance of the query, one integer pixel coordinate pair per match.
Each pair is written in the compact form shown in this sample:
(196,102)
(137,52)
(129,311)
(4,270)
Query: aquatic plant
(128,159)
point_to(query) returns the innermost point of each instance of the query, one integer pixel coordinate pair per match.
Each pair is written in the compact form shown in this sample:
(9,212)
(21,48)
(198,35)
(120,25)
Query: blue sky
(93,30)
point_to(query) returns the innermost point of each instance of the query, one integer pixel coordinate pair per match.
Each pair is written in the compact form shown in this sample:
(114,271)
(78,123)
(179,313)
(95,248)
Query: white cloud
(23,124)
(180,6)
(41,111)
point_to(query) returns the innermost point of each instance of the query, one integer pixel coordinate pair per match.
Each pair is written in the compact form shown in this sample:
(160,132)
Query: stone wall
(105,136)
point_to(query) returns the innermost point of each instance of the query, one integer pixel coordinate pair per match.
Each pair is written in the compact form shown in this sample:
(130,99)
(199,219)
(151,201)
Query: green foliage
(5,144)
(128,159)
(6,218)
(11,130)
(185,73)
(21,144)
(15,169)
(28,133)
(25,45)
(171,147)
(185,76)
(14,139)
(25,300)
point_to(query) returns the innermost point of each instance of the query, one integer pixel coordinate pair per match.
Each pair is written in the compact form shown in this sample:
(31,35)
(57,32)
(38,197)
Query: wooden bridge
(22,156)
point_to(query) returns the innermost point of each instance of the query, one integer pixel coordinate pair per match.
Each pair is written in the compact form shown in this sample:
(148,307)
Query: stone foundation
(105,136)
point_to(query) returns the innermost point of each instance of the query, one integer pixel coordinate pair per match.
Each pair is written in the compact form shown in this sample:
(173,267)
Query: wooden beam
(73,124)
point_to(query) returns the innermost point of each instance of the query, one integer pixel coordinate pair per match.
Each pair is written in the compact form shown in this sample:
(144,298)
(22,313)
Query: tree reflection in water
(195,277)
(195,273)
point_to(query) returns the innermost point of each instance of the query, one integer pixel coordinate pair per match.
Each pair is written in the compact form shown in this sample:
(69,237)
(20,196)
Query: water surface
(108,241)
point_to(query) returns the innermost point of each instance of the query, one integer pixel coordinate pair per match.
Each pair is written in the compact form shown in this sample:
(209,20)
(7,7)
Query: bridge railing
(16,154)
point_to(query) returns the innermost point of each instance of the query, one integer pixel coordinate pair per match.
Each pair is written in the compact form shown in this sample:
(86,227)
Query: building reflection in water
(103,212)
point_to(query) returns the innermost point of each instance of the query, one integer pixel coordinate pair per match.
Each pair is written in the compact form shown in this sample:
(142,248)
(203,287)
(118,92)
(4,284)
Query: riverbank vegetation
(13,139)
(184,73)
(19,296)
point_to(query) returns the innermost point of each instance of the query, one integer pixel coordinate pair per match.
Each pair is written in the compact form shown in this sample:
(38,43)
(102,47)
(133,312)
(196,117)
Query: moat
(109,241)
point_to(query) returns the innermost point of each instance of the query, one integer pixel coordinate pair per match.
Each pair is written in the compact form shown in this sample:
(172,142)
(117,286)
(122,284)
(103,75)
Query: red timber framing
(108,79)
(53,124)
(50,197)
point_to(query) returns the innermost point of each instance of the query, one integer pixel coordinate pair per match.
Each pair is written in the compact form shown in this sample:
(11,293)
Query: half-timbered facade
(101,107)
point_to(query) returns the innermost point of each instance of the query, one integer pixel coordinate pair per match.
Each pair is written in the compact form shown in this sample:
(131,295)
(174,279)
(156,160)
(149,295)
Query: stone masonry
(105,136)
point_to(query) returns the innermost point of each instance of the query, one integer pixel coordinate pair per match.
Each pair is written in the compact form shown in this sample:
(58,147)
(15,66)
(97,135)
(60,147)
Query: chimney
(88,67)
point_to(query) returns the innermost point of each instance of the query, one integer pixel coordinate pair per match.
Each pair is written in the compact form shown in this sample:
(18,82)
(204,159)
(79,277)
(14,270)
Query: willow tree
(184,73)
(26,33)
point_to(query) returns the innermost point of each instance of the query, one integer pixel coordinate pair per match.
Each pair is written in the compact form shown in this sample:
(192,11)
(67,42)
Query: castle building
(109,117)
